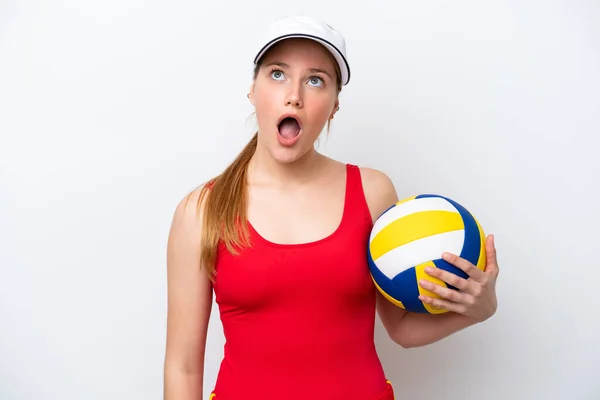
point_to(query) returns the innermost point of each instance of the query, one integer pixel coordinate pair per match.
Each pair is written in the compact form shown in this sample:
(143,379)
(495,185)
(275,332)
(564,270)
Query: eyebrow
(284,65)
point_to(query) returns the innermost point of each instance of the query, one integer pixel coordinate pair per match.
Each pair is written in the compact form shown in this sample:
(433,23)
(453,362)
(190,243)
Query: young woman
(279,238)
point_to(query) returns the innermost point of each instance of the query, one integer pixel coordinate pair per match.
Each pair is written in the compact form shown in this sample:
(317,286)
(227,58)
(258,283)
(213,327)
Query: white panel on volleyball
(411,207)
(420,251)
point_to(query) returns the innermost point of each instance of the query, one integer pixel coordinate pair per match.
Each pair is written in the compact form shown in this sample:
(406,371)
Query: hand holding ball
(406,246)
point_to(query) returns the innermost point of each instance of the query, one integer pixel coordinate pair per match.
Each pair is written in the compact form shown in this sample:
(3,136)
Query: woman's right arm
(189,302)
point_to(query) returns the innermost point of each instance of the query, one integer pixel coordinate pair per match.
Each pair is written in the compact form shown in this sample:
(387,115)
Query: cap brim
(335,52)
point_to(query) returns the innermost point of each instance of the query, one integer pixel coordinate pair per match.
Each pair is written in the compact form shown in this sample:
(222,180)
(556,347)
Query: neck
(265,169)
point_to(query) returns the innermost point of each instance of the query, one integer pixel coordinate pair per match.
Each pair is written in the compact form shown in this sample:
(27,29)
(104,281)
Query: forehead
(300,52)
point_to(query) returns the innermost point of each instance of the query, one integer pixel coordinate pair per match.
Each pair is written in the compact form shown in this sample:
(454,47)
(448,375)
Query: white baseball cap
(310,28)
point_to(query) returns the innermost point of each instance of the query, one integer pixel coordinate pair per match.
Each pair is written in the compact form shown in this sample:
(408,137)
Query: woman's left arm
(474,302)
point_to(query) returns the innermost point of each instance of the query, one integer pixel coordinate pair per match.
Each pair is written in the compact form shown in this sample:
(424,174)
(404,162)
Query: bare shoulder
(185,236)
(379,189)
(189,210)
(186,223)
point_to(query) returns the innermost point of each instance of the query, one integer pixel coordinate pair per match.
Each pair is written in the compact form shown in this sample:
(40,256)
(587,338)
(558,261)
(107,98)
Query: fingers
(445,304)
(465,286)
(442,291)
(448,277)
(492,261)
(475,296)
(458,301)
(459,262)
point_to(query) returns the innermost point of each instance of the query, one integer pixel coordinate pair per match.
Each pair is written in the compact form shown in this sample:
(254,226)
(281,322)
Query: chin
(288,155)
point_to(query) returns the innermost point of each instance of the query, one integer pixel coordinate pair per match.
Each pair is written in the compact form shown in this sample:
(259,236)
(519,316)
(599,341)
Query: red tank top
(298,319)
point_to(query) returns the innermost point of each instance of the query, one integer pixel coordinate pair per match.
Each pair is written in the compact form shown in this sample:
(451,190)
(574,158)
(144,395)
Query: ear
(251,94)
(336,107)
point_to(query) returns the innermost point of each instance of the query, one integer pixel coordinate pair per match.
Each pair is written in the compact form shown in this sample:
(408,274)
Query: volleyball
(412,235)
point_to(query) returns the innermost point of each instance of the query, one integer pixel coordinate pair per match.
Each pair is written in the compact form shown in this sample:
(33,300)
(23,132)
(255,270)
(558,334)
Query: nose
(294,98)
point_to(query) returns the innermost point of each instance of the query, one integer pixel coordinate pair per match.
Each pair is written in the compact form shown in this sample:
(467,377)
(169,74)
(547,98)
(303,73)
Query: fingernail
(428,269)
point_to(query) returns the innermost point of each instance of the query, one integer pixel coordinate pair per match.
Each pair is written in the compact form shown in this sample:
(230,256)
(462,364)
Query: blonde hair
(225,201)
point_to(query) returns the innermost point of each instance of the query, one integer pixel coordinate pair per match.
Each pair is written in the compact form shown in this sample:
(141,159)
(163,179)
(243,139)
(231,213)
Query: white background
(111,111)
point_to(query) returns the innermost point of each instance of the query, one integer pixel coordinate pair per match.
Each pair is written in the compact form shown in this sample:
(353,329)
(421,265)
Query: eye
(315,80)
(277,74)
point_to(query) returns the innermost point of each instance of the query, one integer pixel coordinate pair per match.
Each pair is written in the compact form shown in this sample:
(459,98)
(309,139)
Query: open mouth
(289,126)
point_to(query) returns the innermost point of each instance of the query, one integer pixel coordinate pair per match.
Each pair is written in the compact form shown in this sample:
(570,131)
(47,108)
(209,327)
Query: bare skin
(189,306)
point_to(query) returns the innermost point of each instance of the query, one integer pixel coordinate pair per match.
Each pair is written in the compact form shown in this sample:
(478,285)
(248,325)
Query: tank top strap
(356,205)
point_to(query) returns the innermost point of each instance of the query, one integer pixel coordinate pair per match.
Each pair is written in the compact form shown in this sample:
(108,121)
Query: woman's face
(294,94)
